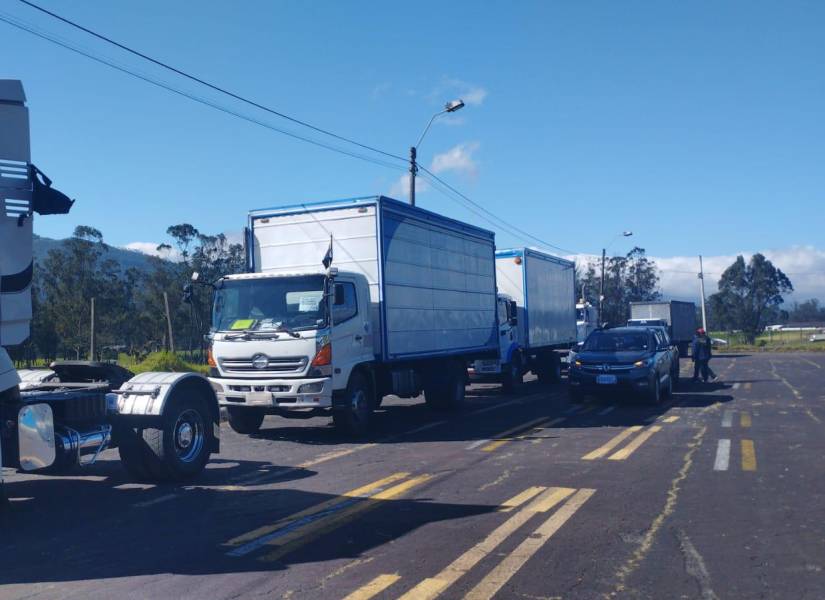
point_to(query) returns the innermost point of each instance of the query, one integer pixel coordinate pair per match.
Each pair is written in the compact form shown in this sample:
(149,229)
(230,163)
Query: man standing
(701,353)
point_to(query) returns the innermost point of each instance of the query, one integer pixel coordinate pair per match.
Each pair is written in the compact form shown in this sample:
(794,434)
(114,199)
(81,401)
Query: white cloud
(804,266)
(458,159)
(151,248)
(472,94)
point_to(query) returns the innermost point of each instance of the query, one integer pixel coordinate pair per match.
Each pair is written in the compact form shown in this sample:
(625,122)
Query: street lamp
(601,285)
(450,107)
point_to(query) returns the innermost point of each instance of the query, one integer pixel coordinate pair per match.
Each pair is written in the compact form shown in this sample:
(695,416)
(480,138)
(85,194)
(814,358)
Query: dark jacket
(701,347)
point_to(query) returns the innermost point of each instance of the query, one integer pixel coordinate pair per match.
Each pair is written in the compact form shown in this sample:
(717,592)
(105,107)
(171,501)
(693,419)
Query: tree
(629,278)
(749,295)
(810,311)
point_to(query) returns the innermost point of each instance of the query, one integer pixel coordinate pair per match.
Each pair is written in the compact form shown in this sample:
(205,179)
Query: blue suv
(638,360)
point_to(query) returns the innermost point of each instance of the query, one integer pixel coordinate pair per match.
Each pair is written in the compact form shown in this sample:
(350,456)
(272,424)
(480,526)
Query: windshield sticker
(309,303)
(240,324)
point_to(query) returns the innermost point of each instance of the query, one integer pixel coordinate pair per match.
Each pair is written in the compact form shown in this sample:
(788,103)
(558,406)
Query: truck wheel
(245,420)
(177,450)
(444,389)
(550,369)
(513,377)
(354,418)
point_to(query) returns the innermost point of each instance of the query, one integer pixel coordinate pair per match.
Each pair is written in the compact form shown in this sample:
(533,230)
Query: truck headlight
(316,387)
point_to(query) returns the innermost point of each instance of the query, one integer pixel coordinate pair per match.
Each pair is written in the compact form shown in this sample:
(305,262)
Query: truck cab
(586,320)
(508,368)
(283,344)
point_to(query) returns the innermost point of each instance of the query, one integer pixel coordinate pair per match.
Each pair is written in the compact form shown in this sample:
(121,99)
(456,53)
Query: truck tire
(513,376)
(444,388)
(549,370)
(245,420)
(177,450)
(355,414)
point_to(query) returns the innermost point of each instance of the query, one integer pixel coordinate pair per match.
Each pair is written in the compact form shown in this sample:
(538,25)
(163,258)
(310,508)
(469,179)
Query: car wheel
(655,391)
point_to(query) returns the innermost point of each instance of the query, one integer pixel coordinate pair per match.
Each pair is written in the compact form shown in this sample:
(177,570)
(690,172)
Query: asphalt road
(718,493)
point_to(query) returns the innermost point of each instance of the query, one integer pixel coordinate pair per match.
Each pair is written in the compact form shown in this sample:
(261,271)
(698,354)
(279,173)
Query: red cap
(700,331)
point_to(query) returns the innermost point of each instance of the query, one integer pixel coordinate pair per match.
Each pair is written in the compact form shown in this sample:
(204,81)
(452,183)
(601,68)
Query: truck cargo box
(544,289)
(680,316)
(432,279)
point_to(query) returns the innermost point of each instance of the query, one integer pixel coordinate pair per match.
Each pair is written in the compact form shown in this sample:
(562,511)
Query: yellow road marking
(508,567)
(373,588)
(745,419)
(670,419)
(333,455)
(295,539)
(748,456)
(503,437)
(433,586)
(521,498)
(634,445)
(603,450)
(748,385)
(345,497)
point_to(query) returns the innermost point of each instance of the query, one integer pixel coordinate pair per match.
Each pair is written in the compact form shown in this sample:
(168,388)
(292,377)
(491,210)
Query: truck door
(351,332)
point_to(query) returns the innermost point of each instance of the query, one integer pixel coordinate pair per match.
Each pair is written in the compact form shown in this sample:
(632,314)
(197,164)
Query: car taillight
(323,356)
(210,358)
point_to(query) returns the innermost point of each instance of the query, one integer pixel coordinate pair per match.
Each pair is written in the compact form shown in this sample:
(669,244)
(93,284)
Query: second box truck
(347,302)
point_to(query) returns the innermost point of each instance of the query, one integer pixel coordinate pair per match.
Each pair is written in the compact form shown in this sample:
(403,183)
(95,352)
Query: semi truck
(678,317)
(165,425)
(536,314)
(587,320)
(346,302)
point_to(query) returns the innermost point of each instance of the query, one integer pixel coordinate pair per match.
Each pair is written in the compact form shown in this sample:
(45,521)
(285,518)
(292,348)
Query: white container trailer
(407,298)
(537,315)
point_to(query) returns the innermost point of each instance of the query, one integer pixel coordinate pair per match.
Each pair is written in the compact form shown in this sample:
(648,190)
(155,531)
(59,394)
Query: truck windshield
(617,341)
(270,304)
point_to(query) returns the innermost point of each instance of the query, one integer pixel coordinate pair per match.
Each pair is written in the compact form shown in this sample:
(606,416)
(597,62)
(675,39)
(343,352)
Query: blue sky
(700,126)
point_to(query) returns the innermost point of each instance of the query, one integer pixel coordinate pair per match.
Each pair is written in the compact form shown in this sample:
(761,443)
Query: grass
(769,341)
(161,361)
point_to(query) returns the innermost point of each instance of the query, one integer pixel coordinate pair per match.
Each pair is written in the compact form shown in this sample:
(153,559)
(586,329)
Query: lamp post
(601,285)
(450,107)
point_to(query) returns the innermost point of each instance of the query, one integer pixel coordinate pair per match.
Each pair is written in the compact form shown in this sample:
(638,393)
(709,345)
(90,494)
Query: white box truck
(537,317)
(678,317)
(347,302)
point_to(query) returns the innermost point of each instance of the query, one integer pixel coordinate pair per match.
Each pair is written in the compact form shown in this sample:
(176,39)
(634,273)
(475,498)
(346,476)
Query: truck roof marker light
(323,356)
(517,260)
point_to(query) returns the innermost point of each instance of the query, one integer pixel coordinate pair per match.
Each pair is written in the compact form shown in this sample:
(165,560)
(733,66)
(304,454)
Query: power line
(497,220)
(53,39)
(210,85)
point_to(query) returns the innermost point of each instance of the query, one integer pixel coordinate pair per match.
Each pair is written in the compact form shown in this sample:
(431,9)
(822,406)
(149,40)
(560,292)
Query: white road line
(606,411)
(722,456)
(154,501)
(476,444)
(736,385)
(727,418)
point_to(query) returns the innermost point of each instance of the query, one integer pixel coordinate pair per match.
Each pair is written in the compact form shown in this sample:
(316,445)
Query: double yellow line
(625,452)
(541,500)
(290,533)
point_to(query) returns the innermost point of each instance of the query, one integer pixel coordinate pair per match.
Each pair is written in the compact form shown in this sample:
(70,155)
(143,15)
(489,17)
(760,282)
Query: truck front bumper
(286,394)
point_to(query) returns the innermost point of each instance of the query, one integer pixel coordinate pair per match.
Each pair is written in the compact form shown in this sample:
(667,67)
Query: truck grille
(289,365)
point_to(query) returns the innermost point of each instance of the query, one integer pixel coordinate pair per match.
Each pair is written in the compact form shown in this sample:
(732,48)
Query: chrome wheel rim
(189,435)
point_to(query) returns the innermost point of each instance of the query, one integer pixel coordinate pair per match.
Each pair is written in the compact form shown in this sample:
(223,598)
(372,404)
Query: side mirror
(513,321)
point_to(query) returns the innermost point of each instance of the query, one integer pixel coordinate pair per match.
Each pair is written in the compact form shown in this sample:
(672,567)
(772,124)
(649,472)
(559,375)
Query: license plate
(606,379)
(259,398)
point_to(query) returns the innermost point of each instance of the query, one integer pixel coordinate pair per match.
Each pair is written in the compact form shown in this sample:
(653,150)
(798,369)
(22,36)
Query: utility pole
(169,322)
(413,171)
(92,333)
(702,292)
(601,290)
